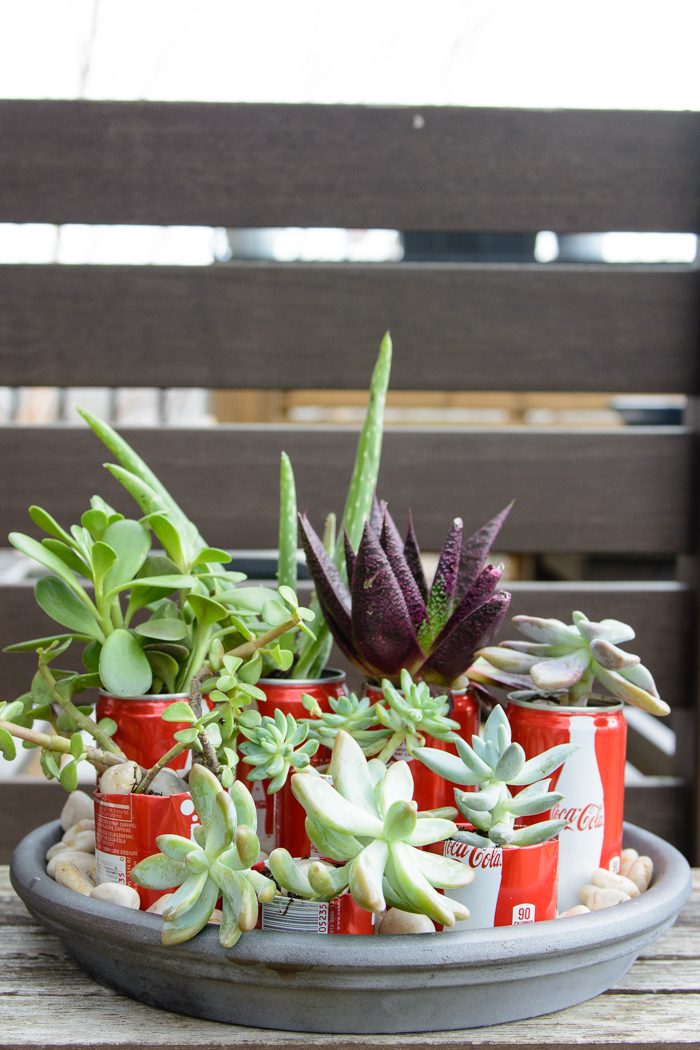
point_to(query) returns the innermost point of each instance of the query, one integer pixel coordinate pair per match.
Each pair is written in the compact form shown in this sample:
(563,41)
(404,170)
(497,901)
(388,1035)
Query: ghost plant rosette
(385,618)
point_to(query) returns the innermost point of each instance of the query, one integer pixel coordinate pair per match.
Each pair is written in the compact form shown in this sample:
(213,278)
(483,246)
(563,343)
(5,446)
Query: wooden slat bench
(456,326)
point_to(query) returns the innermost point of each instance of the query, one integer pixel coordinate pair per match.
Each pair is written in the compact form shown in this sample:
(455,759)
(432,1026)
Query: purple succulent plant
(385,618)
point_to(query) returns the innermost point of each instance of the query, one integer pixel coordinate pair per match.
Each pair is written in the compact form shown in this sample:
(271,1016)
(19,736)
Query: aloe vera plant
(312,655)
(218,863)
(564,662)
(493,763)
(385,618)
(367,820)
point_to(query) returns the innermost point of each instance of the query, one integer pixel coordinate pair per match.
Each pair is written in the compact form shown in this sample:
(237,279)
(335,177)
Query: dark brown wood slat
(661,613)
(300,165)
(456,327)
(621,490)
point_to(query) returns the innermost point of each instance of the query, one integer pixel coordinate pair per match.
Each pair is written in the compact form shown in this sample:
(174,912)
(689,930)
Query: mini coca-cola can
(592,781)
(291,915)
(513,885)
(141,732)
(285,694)
(126,829)
(429,790)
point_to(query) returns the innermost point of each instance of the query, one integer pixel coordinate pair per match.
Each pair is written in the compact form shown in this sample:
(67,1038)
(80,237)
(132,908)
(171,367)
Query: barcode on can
(285,913)
(109,867)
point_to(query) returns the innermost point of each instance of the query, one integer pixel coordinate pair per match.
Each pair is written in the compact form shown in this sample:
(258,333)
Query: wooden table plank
(47,1002)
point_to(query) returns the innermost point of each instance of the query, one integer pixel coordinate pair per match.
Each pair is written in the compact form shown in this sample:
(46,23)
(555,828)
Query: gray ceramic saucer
(357,984)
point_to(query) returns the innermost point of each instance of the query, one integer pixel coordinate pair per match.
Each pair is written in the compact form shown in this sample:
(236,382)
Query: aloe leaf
(442,591)
(561,672)
(330,589)
(349,773)
(124,667)
(288,529)
(443,872)
(448,766)
(349,557)
(188,925)
(455,653)
(62,604)
(411,552)
(382,629)
(365,874)
(476,549)
(429,830)
(397,786)
(158,872)
(324,804)
(392,546)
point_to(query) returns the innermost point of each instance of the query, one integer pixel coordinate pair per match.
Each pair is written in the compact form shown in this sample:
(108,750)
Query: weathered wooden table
(46,1001)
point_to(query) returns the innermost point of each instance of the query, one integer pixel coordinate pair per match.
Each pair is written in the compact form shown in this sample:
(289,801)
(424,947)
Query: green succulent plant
(218,863)
(492,763)
(351,714)
(565,661)
(410,713)
(366,819)
(275,746)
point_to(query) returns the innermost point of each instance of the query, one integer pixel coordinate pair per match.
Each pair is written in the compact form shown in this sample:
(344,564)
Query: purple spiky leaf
(476,549)
(333,595)
(442,591)
(411,552)
(456,651)
(392,546)
(482,589)
(382,629)
(349,556)
(376,517)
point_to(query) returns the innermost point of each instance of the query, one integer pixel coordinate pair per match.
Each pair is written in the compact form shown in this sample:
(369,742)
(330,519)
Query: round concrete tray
(357,984)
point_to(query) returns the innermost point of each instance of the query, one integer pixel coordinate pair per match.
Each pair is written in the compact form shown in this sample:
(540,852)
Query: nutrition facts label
(109,867)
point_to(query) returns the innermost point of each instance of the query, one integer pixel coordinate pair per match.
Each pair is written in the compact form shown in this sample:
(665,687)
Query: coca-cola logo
(581,818)
(474,856)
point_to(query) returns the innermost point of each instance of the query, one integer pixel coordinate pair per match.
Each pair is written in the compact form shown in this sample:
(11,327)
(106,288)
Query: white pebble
(85,862)
(72,878)
(116,893)
(159,906)
(53,851)
(217,917)
(608,880)
(596,899)
(78,806)
(397,921)
(84,842)
(73,832)
(641,873)
(578,909)
(121,779)
(627,859)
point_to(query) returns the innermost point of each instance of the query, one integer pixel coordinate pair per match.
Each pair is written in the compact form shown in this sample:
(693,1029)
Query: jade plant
(365,819)
(493,764)
(565,662)
(217,863)
(385,618)
(311,656)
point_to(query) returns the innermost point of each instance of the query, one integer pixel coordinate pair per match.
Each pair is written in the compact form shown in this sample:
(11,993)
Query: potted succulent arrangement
(556,675)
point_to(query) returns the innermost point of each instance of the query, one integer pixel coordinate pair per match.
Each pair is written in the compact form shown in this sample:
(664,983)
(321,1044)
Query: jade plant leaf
(124,667)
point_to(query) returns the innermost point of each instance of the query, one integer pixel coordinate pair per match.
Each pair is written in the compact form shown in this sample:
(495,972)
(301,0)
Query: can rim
(601,706)
(520,849)
(330,677)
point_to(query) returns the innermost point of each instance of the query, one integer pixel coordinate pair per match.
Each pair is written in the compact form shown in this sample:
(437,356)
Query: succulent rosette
(565,661)
(385,617)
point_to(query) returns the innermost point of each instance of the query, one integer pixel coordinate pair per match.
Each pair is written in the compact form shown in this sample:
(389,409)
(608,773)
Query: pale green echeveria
(368,820)
(275,746)
(218,863)
(353,715)
(491,764)
(411,712)
(566,660)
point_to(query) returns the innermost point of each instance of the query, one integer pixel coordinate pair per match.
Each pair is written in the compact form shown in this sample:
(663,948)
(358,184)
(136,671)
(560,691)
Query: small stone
(641,873)
(627,859)
(78,806)
(578,909)
(159,906)
(84,842)
(397,921)
(608,880)
(85,862)
(167,782)
(117,893)
(73,832)
(53,851)
(217,917)
(72,878)
(596,898)
(121,779)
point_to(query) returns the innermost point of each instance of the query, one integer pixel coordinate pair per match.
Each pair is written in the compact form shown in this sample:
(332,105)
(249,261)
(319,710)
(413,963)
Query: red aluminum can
(339,916)
(141,732)
(126,828)
(592,781)
(284,694)
(513,885)
(430,790)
